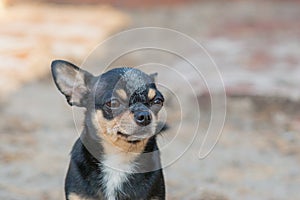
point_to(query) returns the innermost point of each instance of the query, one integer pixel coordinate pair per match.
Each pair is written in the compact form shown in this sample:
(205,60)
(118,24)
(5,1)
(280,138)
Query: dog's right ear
(153,77)
(72,81)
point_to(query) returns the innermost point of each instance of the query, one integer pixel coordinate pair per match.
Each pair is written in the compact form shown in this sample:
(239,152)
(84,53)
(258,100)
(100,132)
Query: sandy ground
(258,154)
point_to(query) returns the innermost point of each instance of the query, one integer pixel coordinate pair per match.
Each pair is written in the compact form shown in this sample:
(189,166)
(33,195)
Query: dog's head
(123,103)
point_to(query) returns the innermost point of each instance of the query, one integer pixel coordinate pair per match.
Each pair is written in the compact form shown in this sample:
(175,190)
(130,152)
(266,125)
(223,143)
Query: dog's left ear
(153,77)
(72,81)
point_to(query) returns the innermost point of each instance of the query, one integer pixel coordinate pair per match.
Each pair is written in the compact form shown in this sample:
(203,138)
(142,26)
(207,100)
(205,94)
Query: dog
(116,156)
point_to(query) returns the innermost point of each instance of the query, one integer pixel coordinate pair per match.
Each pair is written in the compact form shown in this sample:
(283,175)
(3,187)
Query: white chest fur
(116,169)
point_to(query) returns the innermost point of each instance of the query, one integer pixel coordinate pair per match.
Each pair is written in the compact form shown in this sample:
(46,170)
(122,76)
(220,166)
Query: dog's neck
(115,165)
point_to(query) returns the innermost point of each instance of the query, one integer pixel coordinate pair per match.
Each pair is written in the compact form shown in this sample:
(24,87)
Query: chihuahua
(116,156)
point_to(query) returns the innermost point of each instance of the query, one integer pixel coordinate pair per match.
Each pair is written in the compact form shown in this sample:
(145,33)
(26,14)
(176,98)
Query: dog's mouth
(122,134)
(128,139)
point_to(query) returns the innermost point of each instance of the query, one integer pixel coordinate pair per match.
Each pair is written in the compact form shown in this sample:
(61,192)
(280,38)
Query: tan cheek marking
(104,126)
(122,94)
(151,93)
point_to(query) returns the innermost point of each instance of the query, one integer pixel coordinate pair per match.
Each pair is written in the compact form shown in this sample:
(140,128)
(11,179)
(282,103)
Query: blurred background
(256,45)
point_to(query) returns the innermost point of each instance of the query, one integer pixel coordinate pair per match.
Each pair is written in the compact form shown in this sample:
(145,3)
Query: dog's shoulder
(83,166)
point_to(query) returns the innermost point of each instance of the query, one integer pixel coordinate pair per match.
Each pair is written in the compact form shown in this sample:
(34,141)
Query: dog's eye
(114,103)
(158,101)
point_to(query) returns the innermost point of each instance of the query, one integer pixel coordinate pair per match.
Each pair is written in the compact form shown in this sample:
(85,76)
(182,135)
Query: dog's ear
(153,77)
(72,81)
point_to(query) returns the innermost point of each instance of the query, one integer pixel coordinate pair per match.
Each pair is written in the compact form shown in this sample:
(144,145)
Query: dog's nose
(143,118)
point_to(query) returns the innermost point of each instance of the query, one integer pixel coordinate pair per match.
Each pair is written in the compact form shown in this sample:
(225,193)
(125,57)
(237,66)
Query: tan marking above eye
(121,93)
(151,93)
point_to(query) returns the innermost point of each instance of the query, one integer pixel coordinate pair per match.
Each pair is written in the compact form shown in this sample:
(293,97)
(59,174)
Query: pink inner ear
(78,93)
(71,83)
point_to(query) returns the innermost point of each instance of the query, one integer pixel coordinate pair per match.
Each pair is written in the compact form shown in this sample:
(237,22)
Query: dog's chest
(116,170)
